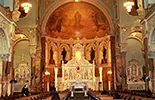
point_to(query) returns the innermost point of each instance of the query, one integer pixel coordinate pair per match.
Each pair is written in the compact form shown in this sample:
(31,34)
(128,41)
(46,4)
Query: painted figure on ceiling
(99,25)
(78,18)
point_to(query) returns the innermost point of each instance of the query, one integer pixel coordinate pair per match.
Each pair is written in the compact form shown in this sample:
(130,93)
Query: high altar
(78,69)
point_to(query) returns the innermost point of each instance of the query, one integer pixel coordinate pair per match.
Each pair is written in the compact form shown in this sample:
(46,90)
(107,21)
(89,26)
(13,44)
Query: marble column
(123,61)
(113,61)
(5,79)
(101,84)
(152,56)
(56,78)
(43,52)
(33,71)
(1,66)
(153,82)
(33,65)
(123,52)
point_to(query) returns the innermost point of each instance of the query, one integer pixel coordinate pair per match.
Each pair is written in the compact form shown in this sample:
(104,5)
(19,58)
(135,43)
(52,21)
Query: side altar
(78,69)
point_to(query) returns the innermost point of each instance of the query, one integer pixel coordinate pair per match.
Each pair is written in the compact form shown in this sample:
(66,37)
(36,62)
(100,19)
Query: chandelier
(26,5)
(128,4)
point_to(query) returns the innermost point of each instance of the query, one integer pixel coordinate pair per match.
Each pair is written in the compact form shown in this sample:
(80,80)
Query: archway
(68,23)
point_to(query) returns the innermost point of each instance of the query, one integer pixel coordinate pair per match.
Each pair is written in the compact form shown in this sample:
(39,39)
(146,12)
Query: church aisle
(64,94)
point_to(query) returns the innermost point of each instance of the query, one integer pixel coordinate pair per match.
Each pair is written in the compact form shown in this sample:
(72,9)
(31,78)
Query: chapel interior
(107,44)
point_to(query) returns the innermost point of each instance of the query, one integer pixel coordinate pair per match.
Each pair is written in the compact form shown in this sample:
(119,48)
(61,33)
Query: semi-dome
(74,20)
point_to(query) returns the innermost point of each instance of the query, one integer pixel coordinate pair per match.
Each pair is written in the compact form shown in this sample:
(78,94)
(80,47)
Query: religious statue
(92,54)
(51,56)
(104,53)
(63,53)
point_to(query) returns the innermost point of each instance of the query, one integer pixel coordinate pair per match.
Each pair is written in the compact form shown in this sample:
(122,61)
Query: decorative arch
(97,4)
(104,44)
(88,48)
(54,48)
(130,31)
(136,39)
(67,48)
(151,40)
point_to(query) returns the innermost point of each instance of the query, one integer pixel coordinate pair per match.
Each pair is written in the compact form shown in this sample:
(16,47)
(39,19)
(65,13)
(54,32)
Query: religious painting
(74,20)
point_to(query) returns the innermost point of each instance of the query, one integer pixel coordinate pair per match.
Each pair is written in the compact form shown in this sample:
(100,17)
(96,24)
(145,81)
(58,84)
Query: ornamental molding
(30,33)
(106,39)
(125,30)
(123,47)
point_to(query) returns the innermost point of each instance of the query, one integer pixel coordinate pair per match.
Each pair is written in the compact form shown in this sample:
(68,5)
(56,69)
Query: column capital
(33,49)
(152,54)
(123,53)
(123,46)
(5,57)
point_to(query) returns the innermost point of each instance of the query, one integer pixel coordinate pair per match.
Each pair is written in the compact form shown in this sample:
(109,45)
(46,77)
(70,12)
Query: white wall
(7,3)
(146,2)
(134,51)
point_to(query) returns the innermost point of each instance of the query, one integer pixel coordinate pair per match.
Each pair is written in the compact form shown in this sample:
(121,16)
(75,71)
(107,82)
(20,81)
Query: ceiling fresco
(74,20)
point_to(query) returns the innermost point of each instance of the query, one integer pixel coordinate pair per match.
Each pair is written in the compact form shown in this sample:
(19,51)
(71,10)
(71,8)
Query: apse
(80,20)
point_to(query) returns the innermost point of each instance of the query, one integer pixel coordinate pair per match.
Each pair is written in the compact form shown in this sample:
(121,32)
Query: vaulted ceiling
(74,20)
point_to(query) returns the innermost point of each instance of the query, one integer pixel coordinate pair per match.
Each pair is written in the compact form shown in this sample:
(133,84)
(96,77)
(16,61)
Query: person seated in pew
(25,90)
(55,96)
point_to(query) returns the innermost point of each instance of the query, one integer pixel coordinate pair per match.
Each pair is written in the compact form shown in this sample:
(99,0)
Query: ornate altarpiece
(77,70)
(134,74)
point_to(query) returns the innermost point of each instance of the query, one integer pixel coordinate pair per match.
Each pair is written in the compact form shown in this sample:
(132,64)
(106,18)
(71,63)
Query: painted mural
(74,20)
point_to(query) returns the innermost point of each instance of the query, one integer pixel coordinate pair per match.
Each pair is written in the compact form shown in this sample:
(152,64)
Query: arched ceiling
(74,20)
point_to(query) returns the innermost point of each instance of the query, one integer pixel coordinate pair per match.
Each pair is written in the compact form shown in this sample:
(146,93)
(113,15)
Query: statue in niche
(51,56)
(104,60)
(92,55)
(64,53)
